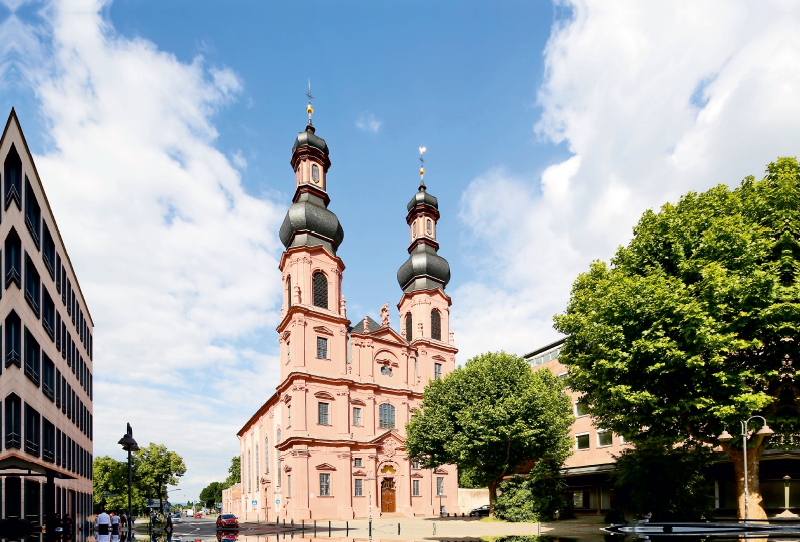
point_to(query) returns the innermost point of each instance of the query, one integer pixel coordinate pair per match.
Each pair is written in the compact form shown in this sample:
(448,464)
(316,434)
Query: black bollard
(303,527)
(329,528)
(398,527)
(292,523)
(347,527)
(315,528)
(370,528)
(284,523)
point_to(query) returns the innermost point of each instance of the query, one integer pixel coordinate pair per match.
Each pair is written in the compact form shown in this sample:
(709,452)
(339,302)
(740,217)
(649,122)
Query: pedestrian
(123,520)
(102,523)
(114,524)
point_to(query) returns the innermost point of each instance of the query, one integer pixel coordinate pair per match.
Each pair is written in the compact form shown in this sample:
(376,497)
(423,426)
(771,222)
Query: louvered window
(436,325)
(320,290)
(409,326)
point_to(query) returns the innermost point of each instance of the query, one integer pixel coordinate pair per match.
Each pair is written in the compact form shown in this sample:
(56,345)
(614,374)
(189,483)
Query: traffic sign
(154,503)
(254,502)
(109,494)
(277,501)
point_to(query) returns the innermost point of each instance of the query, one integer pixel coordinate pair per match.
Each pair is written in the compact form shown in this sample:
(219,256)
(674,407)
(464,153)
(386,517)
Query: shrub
(532,498)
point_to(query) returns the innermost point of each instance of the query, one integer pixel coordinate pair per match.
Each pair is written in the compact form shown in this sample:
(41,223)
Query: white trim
(587,434)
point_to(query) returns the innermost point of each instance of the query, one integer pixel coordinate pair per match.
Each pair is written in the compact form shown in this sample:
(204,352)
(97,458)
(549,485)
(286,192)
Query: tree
(691,328)
(665,481)
(156,467)
(212,494)
(490,417)
(234,472)
(535,497)
(110,477)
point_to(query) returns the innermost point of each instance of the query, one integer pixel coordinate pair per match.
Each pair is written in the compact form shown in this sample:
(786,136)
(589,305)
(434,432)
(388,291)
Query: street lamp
(727,437)
(129,445)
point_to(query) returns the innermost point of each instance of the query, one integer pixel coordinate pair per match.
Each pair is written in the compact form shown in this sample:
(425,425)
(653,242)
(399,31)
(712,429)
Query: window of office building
(48,315)
(32,365)
(415,488)
(359,487)
(33,433)
(386,416)
(436,325)
(320,289)
(33,285)
(13,249)
(48,377)
(48,441)
(604,438)
(324,484)
(356,416)
(13,427)
(581,409)
(33,491)
(13,339)
(322,413)
(48,251)
(322,348)
(33,214)
(12,173)
(582,442)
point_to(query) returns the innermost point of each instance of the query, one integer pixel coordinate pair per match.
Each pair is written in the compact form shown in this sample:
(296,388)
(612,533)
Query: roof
(423,198)
(309,139)
(359,328)
(545,348)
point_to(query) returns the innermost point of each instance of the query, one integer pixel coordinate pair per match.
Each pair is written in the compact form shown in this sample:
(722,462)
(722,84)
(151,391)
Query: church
(329,443)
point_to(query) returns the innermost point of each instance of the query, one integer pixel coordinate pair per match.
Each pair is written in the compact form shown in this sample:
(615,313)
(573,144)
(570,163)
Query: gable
(325,466)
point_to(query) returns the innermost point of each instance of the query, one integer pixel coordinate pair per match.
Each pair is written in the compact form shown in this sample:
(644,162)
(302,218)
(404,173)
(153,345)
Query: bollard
(434,527)
(284,523)
(347,527)
(329,528)
(303,527)
(315,528)
(292,523)
(370,528)
(398,528)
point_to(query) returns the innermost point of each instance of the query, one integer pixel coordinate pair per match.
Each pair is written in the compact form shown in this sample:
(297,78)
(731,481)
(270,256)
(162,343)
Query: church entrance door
(387,495)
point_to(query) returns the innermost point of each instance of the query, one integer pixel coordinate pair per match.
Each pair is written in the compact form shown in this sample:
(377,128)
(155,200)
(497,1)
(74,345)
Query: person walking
(102,525)
(114,524)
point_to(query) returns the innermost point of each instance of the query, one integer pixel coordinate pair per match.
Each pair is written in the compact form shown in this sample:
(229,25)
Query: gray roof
(310,139)
(359,327)
(310,214)
(422,197)
(423,270)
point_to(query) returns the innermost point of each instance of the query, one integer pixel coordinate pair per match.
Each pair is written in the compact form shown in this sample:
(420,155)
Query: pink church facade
(329,443)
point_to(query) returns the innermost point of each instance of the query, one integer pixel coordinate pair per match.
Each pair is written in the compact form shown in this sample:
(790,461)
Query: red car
(227,521)
(198,516)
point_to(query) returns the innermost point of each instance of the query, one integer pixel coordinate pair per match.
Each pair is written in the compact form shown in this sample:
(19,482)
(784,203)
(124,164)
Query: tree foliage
(490,417)
(157,467)
(687,331)
(532,498)
(234,472)
(212,494)
(665,481)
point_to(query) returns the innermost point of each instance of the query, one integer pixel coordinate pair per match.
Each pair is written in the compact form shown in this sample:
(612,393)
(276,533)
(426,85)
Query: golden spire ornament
(422,167)
(309,107)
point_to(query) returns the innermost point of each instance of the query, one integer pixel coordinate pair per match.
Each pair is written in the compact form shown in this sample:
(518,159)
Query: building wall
(65,340)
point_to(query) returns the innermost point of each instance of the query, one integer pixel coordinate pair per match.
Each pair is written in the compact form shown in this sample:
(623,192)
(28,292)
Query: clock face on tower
(315,173)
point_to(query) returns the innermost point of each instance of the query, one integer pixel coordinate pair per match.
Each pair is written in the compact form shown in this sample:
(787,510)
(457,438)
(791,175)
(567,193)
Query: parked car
(176,518)
(227,521)
(481,511)
(198,515)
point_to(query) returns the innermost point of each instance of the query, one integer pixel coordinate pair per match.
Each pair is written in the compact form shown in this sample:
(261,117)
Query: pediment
(439,471)
(388,334)
(325,466)
(417,475)
(439,358)
(324,395)
(324,330)
(358,402)
(359,473)
(391,434)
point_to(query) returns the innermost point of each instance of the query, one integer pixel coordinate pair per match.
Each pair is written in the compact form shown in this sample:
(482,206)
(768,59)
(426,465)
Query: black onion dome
(310,139)
(309,223)
(423,197)
(423,270)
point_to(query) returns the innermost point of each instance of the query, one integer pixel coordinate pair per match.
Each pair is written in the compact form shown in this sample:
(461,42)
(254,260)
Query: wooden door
(387,495)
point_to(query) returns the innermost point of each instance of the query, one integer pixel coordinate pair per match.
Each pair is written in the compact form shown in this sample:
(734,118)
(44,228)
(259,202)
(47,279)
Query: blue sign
(277,501)
(254,502)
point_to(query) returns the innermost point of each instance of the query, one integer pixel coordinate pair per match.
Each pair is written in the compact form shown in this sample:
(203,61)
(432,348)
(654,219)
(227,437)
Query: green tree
(156,467)
(212,494)
(111,477)
(535,497)
(668,482)
(490,417)
(686,332)
(234,472)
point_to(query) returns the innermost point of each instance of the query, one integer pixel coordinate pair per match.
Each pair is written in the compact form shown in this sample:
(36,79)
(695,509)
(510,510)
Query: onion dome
(309,139)
(424,269)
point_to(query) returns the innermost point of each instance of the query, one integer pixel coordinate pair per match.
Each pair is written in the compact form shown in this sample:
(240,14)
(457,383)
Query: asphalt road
(197,528)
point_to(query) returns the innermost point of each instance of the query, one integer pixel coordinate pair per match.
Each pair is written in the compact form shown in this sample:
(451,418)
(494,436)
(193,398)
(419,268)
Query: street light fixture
(765,431)
(129,445)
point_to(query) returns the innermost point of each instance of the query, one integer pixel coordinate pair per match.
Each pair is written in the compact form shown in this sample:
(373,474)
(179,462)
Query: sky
(162,132)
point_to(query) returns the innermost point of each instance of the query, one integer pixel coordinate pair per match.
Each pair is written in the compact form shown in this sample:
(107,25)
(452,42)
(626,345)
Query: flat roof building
(47,336)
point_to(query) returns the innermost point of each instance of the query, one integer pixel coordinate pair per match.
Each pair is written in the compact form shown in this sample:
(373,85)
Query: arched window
(257,469)
(266,455)
(414,230)
(429,226)
(289,290)
(320,290)
(278,437)
(436,325)
(386,416)
(409,327)
(314,173)
(249,471)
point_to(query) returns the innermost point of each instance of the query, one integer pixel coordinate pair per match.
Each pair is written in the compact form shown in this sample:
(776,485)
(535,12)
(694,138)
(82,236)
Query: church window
(315,173)
(416,366)
(288,485)
(320,290)
(409,326)
(13,176)
(322,414)
(258,467)
(437,371)
(249,471)
(280,471)
(436,325)
(289,290)
(278,439)
(358,462)
(13,259)
(440,486)
(324,484)
(415,464)
(429,226)
(415,488)
(266,455)
(386,416)
(288,351)
(322,348)
(414,230)
(288,415)
(386,370)
(356,416)
(359,487)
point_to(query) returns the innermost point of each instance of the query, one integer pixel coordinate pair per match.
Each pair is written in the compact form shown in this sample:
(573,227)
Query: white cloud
(177,263)
(653,100)
(366,121)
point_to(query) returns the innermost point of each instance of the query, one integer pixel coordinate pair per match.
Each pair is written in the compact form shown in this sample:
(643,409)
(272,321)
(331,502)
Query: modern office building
(46,374)
(329,443)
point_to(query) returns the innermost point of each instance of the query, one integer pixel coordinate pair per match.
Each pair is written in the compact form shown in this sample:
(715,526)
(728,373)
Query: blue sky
(162,132)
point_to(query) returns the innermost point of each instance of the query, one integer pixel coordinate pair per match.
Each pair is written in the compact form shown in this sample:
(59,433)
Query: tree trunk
(492,496)
(756,511)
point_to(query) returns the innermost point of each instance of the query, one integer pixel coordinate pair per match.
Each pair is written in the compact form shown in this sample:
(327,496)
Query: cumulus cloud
(366,121)
(177,263)
(652,100)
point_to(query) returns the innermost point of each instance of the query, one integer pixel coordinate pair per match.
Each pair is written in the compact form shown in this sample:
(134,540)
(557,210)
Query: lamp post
(727,437)
(129,445)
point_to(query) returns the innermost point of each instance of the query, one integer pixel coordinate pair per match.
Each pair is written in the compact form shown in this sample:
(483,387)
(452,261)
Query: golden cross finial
(422,166)
(309,107)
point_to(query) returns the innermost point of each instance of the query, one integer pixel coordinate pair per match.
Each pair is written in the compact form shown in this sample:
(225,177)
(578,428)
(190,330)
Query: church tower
(424,307)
